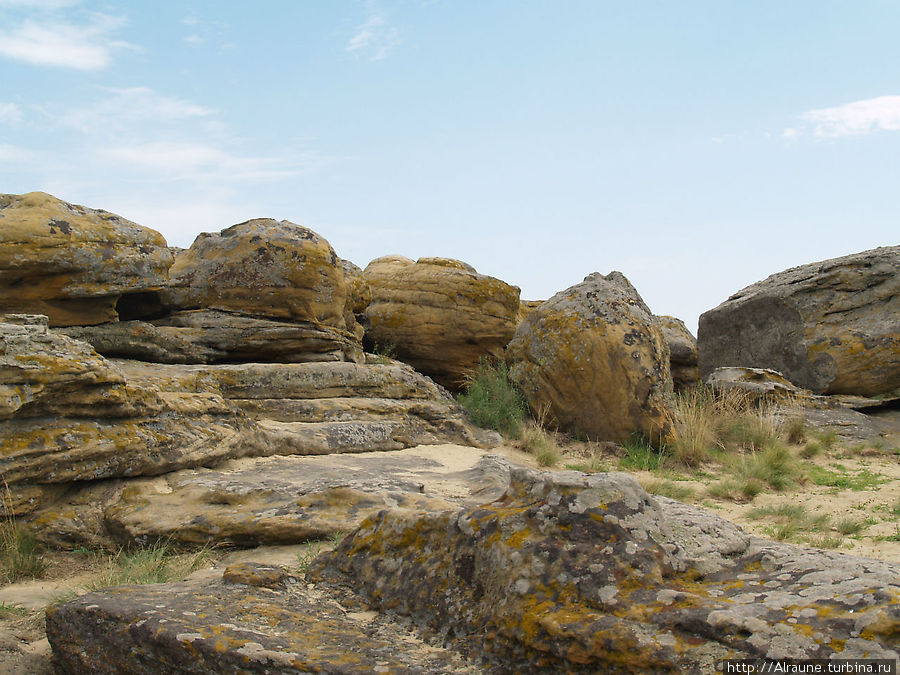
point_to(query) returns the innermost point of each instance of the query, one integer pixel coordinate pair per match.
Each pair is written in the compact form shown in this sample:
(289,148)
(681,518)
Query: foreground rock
(832,327)
(439,315)
(255,619)
(76,265)
(262,501)
(594,357)
(682,352)
(570,573)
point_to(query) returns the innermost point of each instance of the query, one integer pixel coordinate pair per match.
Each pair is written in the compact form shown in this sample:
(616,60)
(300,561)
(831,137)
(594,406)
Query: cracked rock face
(72,263)
(595,358)
(832,327)
(575,573)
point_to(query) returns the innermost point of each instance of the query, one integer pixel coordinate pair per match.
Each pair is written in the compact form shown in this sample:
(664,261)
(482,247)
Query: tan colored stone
(72,263)
(594,358)
(832,327)
(262,268)
(439,314)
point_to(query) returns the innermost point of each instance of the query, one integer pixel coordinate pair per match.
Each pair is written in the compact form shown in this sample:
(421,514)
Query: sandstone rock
(274,500)
(76,265)
(254,620)
(440,315)
(263,290)
(68,414)
(583,574)
(596,359)
(760,384)
(832,327)
(682,352)
(525,308)
(262,268)
(359,296)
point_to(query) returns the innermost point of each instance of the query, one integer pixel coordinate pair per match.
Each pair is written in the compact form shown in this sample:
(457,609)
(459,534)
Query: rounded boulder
(595,360)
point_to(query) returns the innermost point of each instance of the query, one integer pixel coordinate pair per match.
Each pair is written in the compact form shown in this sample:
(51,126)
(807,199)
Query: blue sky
(696,146)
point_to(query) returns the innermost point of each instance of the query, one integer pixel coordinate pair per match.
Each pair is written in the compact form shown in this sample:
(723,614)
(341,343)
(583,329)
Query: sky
(697,147)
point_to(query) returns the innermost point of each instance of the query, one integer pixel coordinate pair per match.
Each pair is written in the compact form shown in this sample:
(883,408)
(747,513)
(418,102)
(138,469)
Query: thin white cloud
(374,36)
(854,119)
(10,113)
(38,4)
(172,160)
(126,107)
(63,45)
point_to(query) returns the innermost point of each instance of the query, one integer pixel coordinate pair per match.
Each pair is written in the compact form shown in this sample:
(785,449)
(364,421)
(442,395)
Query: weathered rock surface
(252,619)
(440,315)
(263,290)
(596,359)
(74,264)
(575,573)
(758,383)
(832,327)
(359,296)
(274,500)
(682,352)
(67,414)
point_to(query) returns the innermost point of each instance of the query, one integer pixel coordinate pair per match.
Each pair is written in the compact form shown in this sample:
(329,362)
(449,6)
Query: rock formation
(682,352)
(596,359)
(832,327)
(562,573)
(67,414)
(76,265)
(575,573)
(439,315)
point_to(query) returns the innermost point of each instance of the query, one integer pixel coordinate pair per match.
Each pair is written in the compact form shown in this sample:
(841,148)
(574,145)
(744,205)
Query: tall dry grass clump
(20,556)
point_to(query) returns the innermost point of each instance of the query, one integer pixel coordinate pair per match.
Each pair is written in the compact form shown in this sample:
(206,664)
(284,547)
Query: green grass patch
(20,554)
(640,455)
(156,564)
(7,610)
(844,479)
(493,400)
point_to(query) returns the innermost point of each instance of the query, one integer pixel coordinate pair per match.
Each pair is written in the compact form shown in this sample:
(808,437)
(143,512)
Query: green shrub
(493,400)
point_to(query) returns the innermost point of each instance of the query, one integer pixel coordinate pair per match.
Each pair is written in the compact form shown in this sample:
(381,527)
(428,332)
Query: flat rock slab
(272,500)
(253,619)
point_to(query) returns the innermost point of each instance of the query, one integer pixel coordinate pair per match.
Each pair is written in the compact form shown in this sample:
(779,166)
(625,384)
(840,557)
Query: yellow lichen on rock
(439,314)
(73,263)
(596,360)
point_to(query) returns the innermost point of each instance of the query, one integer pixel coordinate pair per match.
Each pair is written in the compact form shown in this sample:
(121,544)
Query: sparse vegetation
(794,430)
(7,610)
(493,400)
(20,556)
(385,353)
(667,488)
(640,455)
(156,564)
(305,557)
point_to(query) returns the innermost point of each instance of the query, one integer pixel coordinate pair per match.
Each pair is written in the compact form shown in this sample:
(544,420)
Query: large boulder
(264,291)
(76,265)
(682,352)
(832,327)
(584,574)
(440,315)
(593,357)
